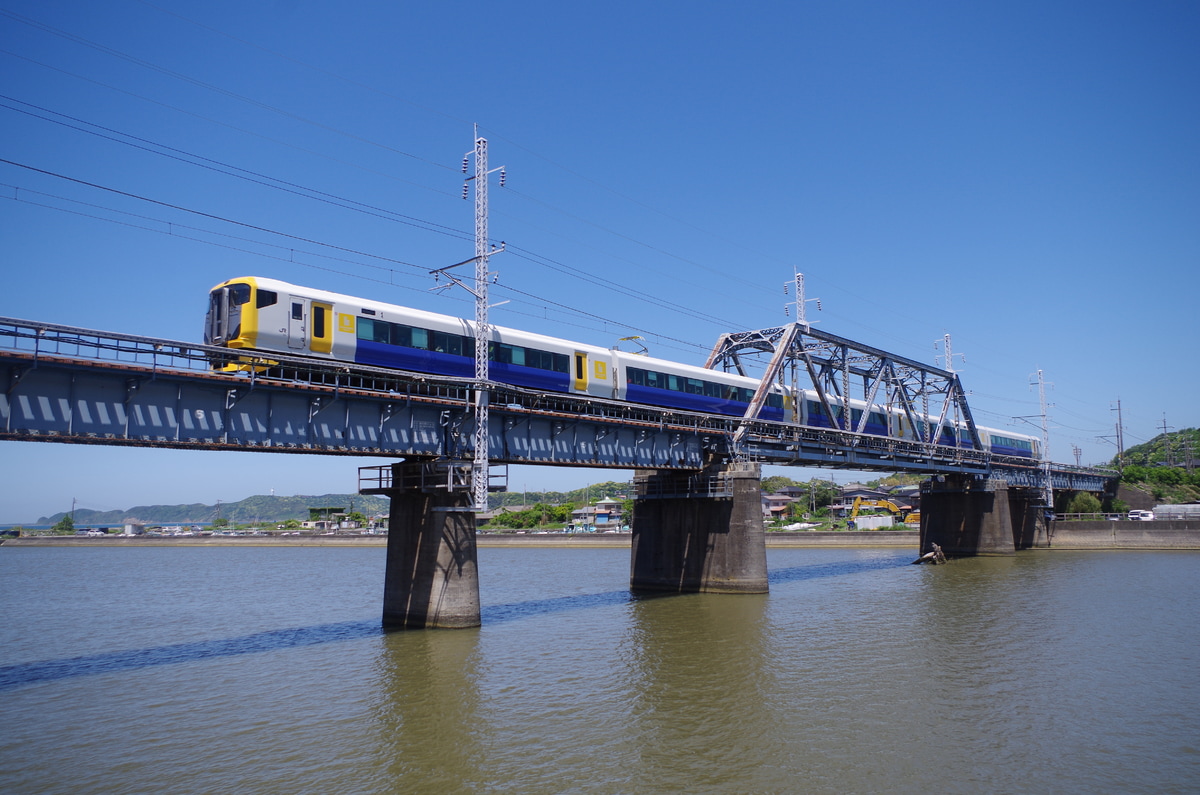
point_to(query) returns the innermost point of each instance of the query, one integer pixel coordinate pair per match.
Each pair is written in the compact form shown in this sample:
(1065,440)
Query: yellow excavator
(909,518)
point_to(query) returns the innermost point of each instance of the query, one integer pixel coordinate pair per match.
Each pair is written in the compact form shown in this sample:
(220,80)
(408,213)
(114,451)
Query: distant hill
(1174,449)
(1167,468)
(260,508)
(263,508)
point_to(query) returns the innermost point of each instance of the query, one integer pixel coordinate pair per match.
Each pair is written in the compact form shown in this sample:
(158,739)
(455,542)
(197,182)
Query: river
(263,670)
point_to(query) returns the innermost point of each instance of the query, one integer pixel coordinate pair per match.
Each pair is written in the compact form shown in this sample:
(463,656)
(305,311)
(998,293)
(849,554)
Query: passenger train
(259,314)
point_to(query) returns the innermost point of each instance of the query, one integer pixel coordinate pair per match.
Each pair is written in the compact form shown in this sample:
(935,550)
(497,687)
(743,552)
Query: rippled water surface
(263,670)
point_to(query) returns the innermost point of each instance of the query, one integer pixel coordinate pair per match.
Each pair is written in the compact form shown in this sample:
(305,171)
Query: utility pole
(481,468)
(1166,429)
(1047,488)
(948,363)
(801,301)
(1120,437)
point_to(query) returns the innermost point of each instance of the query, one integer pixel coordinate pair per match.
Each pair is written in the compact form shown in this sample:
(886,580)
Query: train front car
(232,320)
(251,313)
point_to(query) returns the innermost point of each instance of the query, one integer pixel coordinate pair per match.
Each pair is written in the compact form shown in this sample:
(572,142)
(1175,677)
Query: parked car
(1141,516)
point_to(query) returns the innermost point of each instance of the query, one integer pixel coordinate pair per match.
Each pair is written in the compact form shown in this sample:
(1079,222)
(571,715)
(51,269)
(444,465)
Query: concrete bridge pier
(965,515)
(699,533)
(432,574)
(1031,528)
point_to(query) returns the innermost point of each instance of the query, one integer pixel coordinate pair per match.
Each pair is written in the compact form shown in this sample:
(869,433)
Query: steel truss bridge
(66,384)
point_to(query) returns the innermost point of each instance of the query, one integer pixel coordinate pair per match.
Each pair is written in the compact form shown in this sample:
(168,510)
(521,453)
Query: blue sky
(1021,175)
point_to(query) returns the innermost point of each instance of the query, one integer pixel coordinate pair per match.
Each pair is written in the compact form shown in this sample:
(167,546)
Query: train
(257,314)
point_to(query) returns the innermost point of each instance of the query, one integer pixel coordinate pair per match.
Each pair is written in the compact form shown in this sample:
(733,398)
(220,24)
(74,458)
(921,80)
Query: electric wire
(236,171)
(209,86)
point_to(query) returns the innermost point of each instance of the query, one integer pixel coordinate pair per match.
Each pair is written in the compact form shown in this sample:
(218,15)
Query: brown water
(262,670)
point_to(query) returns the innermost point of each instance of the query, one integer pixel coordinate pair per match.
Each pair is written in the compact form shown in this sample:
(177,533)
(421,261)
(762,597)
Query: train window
(318,321)
(399,334)
(504,353)
(442,342)
(775,400)
(266,298)
(373,330)
(297,311)
(239,294)
(420,339)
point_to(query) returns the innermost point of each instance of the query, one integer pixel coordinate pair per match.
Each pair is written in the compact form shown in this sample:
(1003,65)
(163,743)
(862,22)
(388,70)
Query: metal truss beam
(837,368)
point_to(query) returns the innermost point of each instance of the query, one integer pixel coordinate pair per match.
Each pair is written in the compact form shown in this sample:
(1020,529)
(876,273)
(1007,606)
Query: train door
(581,372)
(296,323)
(321,338)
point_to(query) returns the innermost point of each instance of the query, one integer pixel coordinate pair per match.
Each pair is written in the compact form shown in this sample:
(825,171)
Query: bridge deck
(73,385)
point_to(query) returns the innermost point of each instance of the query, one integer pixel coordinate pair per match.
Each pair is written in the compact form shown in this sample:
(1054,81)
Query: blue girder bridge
(697,523)
(73,385)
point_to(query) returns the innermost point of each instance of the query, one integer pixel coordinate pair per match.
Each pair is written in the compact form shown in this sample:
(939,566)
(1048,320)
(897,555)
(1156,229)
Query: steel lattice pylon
(479,483)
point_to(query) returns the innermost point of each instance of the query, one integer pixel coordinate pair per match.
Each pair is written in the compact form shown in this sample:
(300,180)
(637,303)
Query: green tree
(220,522)
(64,526)
(777,483)
(1084,502)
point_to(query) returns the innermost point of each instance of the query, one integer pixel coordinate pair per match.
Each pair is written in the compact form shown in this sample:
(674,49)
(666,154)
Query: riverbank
(847,538)
(1159,534)
(1063,535)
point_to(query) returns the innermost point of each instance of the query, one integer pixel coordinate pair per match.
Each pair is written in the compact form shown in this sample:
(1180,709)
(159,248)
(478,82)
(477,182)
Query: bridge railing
(1090,517)
(49,339)
(663,485)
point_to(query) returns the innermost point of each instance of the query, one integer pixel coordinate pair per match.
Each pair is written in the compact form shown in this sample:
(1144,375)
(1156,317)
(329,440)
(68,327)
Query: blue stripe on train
(819,420)
(422,361)
(703,403)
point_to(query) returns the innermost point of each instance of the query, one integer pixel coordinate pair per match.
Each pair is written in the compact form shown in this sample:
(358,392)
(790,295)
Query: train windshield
(224,319)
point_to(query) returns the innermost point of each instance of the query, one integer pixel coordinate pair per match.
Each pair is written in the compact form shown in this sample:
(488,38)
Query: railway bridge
(697,517)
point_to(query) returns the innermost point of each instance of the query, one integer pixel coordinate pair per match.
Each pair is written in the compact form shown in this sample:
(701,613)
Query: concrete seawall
(1063,535)
(849,538)
(1173,534)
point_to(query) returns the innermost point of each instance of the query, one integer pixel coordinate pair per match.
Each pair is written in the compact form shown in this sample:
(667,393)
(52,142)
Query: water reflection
(836,568)
(495,614)
(430,722)
(177,653)
(696,731)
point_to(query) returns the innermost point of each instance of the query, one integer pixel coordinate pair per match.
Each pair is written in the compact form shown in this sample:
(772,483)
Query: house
(607,515)
(776,505)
